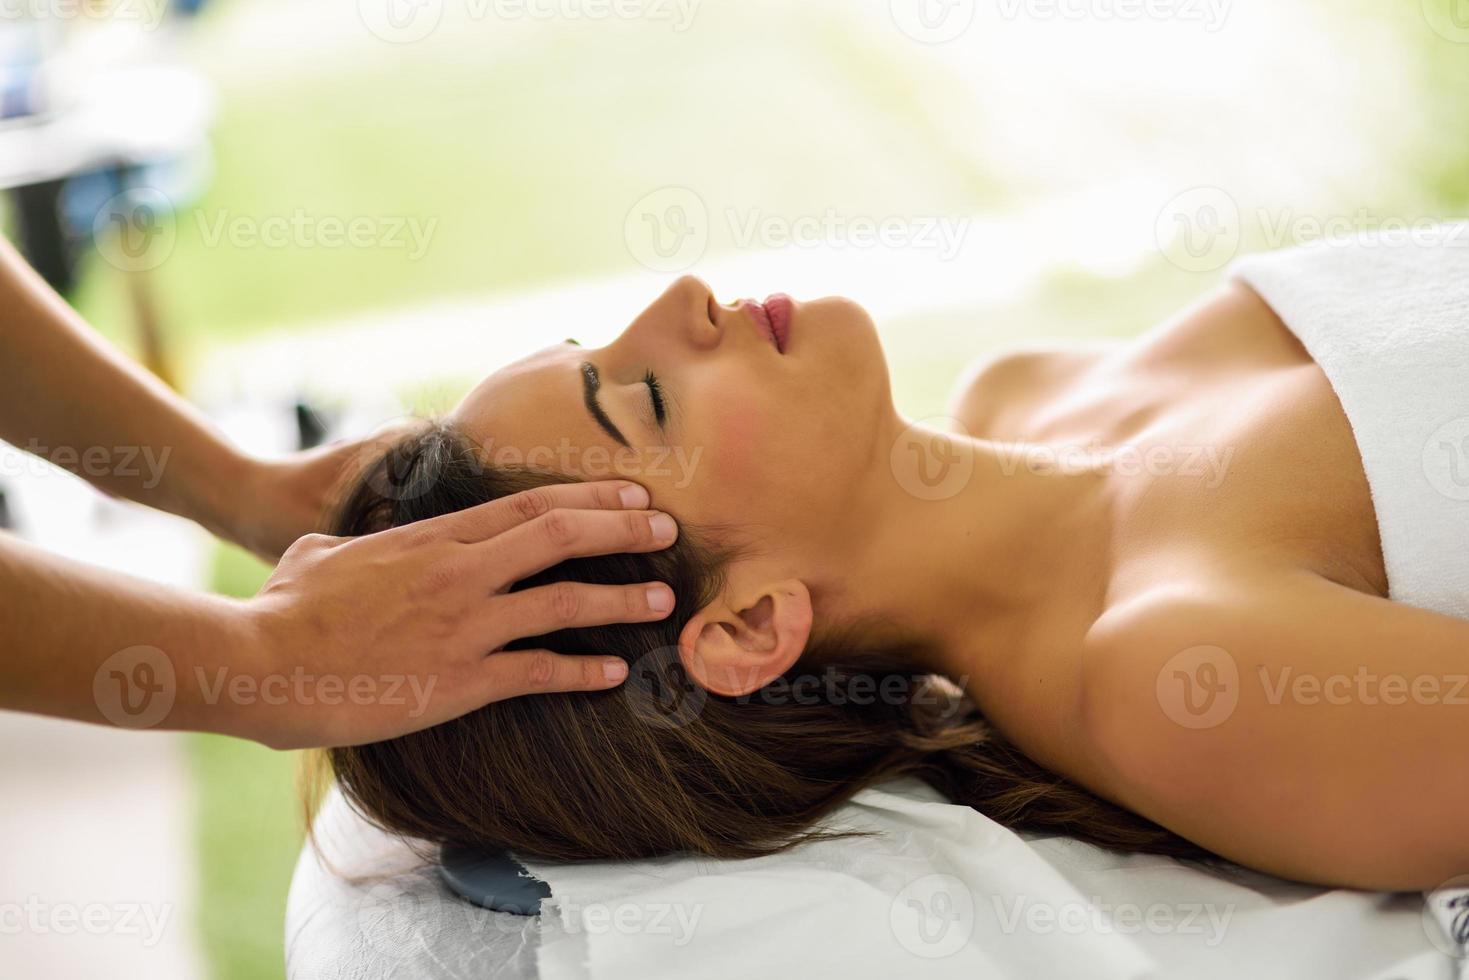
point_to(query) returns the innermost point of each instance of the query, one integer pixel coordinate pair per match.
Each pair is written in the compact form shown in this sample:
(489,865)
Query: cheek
(740,452)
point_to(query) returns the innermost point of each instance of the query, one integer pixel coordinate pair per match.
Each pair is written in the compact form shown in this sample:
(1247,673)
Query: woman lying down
(1183,640)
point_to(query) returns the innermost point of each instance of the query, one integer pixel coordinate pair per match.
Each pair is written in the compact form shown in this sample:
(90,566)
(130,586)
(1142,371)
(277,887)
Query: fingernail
(615,671)
(663,527)
(660,598)
(633,497)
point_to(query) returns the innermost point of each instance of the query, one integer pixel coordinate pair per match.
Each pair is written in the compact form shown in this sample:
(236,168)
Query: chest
(1223,442)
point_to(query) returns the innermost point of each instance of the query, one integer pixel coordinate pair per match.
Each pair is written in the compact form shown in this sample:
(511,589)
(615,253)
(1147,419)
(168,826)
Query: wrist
(230,479)
(247,656)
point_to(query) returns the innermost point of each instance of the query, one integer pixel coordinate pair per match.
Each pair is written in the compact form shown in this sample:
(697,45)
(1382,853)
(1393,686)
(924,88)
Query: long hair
(661,766)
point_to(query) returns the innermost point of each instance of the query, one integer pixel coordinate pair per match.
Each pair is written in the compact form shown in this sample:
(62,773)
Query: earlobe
(735,648)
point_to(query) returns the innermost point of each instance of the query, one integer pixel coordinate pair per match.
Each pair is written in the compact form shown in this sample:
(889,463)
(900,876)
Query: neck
(965,548)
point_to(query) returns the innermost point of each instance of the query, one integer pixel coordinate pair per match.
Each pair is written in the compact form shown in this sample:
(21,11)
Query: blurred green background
(527,143)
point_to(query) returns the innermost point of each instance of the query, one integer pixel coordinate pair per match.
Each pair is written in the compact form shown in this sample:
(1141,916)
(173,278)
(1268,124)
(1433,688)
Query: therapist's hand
(417,616)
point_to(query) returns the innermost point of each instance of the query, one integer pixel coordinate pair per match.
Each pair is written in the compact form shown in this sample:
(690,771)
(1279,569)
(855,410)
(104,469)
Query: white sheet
(1008,907)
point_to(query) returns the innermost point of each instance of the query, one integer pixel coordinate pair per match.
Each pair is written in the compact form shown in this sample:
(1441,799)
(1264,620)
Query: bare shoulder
(1286,722)
(999,384)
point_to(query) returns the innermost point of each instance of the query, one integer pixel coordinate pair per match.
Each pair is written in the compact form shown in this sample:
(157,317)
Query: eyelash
(655,392)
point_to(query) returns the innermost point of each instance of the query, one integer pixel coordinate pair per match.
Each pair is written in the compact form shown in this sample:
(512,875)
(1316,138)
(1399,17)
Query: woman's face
(727,418)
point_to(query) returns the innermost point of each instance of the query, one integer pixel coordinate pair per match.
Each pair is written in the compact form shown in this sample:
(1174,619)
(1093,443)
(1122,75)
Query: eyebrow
(591,383)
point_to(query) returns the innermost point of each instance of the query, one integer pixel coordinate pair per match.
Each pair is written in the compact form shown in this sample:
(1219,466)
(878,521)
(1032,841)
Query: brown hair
(661,766)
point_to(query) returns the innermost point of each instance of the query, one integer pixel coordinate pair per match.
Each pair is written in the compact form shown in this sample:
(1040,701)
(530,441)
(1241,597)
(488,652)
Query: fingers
(561,534)
(569,605)
(481,523)
(511,674)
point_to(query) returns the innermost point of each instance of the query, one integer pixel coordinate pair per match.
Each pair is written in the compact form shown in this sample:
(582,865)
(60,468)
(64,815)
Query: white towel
(1387,319)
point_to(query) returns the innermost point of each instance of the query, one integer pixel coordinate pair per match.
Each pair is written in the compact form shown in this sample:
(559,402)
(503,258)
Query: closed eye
(655,395)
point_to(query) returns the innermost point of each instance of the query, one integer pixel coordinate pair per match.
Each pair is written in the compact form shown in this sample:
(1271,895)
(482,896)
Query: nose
(696,311)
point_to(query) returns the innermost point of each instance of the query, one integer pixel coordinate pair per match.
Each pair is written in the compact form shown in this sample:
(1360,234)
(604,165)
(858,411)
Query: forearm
(64,630)
(69,397)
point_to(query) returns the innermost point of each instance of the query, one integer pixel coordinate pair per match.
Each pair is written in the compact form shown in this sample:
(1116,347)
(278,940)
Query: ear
(735,647)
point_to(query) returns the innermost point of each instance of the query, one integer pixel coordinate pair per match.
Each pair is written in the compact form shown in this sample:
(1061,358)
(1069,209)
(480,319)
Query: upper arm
(1291,725)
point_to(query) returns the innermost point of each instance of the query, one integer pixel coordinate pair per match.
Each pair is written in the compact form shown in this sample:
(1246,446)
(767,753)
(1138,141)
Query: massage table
(942,892)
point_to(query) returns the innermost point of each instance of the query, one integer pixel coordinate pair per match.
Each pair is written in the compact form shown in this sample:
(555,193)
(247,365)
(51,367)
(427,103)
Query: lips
(772,318)
(778,309)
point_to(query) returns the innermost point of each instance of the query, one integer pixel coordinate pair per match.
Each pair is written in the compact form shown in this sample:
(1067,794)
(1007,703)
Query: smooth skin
(1059,595)
(426,604)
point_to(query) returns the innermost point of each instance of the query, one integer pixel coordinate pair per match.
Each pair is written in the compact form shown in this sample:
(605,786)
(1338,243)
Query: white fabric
(943,893)
(1387,319)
